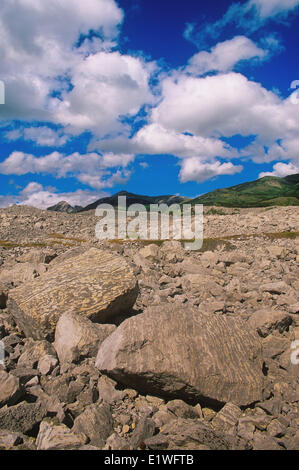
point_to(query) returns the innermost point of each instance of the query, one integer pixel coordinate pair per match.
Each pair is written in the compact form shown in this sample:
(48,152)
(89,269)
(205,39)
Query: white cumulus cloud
(194,169)
(225,55)
(97,171)
(281,170)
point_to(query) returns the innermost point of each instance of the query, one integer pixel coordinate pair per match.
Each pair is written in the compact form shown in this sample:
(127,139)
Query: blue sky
(165,97)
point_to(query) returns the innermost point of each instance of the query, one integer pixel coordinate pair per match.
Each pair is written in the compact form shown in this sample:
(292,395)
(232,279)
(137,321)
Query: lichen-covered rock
(173,351)
(77,337)
(97,285)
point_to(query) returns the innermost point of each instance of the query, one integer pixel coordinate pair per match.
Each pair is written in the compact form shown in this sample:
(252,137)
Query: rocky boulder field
(122,345)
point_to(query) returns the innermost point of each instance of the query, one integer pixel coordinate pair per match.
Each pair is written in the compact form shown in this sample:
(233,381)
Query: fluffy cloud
(226,105)
(225,55)
(106,86)
(155,139)
(31,188)
(48,79)
(285,149)
(194,169)
(281,169)
(42,136)
(56,73)
(194,113)
(91,169)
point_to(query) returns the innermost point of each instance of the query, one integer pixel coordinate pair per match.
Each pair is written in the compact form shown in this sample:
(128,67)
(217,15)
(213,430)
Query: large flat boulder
(175,352)
(96,284)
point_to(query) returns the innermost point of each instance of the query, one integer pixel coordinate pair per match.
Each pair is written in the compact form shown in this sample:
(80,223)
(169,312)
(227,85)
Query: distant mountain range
(64,206)
(267,191)
(136,199)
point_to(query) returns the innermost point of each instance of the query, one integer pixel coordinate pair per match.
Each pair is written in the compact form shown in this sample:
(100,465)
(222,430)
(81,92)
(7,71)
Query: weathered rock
(188,434)
(22,417)
(10,439)
(33,352)
(89,447)
(77,337)
(227,419)
(97,285)
(24,374)
(96,423)
(107,391)
(3,294)
(294,308)
(292,443)
(276,428)
(36,256)
(10,390)
(22,272)
(258,418)
(202,285)
(276,251)
(150,252)
(273,346)
(262,441)
(46,364)
(175,352)
(145,429)
(245,430)
(279,287)
(266,321)
(272,407)
(181,410)
(115,442)
(53,436)
(162,417)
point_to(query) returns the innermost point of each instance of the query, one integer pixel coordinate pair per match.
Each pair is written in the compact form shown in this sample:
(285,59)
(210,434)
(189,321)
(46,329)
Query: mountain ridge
(263,192)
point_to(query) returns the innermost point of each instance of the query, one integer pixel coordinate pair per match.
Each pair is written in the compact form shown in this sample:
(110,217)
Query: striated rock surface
(174,352)
(97,285)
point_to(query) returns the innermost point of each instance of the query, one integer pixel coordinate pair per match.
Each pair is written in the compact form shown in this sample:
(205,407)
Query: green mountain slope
(267,191)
